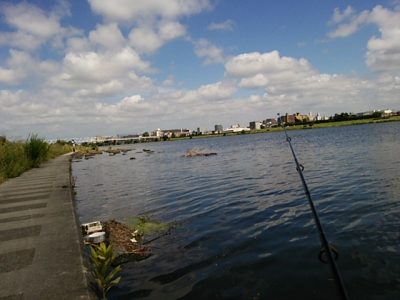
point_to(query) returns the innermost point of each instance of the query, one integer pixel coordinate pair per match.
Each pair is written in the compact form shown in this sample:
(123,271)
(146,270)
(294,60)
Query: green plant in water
(104,273)
(144,225)
(36,149)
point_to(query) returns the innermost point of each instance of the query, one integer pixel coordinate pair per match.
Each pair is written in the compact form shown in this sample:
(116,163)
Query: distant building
(270,122)
(218,129)
(255,125)
(299,118)
(236,128)
(171,132)
(158,133)
(286,119)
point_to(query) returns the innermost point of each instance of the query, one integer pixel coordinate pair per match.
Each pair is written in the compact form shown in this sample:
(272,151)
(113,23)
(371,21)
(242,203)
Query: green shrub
(36,149)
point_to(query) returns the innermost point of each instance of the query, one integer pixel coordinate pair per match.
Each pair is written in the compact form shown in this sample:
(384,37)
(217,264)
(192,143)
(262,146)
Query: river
(245,230)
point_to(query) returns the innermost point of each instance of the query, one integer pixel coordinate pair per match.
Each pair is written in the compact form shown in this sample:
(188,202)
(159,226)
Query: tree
(145,134)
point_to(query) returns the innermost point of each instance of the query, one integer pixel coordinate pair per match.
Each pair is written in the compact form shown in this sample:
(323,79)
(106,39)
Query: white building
(236,128)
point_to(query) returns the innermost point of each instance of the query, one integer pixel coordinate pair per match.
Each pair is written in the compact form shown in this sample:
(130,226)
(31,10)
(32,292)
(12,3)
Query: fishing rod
(325,246)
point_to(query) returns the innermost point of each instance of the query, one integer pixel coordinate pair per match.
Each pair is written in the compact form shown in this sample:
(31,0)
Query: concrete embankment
(40,248)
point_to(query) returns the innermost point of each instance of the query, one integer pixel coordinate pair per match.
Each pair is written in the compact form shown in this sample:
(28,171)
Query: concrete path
(40,252)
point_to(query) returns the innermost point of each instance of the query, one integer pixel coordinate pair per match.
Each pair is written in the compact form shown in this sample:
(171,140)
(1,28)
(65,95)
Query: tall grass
(37,150)
(17,157)
(13,160)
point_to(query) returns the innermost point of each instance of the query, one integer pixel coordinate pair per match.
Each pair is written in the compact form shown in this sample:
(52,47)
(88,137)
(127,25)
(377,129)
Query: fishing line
(326,248)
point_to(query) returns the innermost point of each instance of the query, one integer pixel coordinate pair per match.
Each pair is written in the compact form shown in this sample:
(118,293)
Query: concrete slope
(40,249)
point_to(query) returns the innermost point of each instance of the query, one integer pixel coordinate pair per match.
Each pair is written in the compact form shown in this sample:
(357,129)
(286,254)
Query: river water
(245,230)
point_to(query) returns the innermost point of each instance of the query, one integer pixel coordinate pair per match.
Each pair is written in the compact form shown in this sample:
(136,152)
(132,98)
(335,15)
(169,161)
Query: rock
(197,152)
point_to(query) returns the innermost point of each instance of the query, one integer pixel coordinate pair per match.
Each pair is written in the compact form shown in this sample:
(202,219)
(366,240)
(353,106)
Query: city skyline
(82,68)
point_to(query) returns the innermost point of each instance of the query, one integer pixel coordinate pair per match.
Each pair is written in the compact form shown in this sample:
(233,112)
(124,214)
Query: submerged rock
(197,152)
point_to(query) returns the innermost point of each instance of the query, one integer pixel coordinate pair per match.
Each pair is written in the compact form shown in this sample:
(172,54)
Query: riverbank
(299,127)
(40,250)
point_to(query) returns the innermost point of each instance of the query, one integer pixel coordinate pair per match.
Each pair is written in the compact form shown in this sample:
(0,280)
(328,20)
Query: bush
(37,150)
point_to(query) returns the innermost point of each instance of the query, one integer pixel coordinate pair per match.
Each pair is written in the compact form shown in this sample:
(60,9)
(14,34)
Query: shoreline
(321,125)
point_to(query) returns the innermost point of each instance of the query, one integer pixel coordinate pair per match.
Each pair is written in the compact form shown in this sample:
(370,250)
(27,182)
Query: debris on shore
(198,152)
(127,244)
(128,240)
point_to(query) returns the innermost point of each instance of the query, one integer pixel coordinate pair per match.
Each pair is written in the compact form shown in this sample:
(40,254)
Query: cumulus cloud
(32,26)
(108,36)
(227,25)
(133,10)
(29,18)
(209,92)
(90,67)
(383,52)
(154,22)
(272,63)
(147,39)
(211,53)
(296,84)
(21,64)
(340,16)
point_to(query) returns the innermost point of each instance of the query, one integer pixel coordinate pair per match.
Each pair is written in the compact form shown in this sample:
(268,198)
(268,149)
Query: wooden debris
(120,237)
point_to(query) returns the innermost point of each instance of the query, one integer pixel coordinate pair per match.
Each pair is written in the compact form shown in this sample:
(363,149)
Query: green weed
(104,273)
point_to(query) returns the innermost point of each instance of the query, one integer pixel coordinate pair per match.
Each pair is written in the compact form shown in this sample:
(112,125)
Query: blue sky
(98,67)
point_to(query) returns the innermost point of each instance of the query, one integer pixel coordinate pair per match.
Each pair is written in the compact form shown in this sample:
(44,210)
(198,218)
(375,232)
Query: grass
(18,157)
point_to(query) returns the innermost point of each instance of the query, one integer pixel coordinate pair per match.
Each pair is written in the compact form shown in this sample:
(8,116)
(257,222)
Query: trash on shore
(127,244)
(198,152)
(127,240)
(93,232)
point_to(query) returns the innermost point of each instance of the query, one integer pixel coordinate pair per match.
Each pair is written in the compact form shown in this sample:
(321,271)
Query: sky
(84,68)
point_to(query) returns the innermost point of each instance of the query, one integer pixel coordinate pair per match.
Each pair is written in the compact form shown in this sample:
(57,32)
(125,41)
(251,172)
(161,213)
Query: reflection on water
(245,228)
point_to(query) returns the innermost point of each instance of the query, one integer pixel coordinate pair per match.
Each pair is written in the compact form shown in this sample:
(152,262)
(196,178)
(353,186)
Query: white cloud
(383,53)
(295,85)
(21,40)
(33,27)
(21,64)
(227,25)
(85,68)
(108,36)
(339,16)
(210,52)
(133,10)
(146,39)
(29,18)
(210,92)
(251,64)
(155,22)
